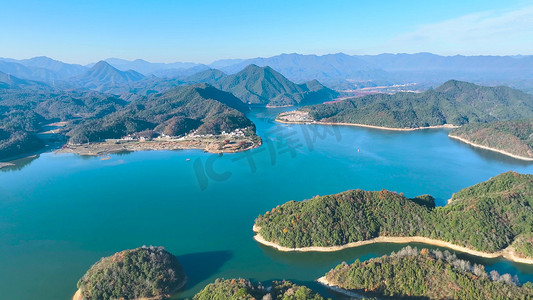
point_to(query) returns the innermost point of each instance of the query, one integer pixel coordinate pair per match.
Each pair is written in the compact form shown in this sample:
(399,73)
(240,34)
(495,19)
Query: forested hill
(26,106)
(426,274)
(141,273)
(265,86)
(246,290)
(513,137)
(201,108)
(489,217)
(454,102)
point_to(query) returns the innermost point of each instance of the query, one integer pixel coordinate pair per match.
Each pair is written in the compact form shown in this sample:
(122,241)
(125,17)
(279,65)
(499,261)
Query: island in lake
(425,274)
(452,104)
(490,219)
(246,290)
(141,273)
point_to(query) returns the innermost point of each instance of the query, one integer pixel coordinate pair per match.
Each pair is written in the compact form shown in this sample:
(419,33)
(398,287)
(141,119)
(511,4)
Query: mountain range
(253,85)
(340,71)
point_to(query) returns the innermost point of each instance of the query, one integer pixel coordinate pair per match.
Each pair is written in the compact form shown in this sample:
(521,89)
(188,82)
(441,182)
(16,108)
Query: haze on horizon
(205,31)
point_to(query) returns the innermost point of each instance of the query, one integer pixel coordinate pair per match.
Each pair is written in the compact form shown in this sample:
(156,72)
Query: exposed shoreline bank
(489,148)
(449,126)
(507,253)
(212,146)
(6,164)
(323,281)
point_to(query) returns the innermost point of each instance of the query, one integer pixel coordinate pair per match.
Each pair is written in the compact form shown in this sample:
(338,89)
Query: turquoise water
(60,213)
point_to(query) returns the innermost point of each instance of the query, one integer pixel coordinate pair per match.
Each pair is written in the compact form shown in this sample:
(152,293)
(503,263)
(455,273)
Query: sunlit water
(60,213)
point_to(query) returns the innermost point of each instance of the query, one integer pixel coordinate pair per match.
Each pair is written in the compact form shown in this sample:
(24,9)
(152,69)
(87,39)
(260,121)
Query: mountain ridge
(265,86)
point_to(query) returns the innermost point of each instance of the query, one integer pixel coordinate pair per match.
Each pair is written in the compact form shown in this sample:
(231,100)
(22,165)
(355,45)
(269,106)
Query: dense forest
(146,272)
(426,274)
(514,137)
(243,289)
(488,216)
(454,102)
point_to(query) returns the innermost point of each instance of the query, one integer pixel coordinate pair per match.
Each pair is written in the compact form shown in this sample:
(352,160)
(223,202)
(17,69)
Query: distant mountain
(430,68)
(208,76)
(102,77)
(454,102)
(340,71)
(30,73)
(180,72)
(145,67)
(221,63)
(265,86)
(180,110)
(62,70)
(40,68)
(343,71)
(429,61)
(8,81)
(330,68)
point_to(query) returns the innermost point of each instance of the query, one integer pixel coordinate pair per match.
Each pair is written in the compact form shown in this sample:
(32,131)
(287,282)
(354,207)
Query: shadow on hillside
(202,265)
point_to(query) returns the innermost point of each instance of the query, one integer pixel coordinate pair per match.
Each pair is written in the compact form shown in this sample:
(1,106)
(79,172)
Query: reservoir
(59,214)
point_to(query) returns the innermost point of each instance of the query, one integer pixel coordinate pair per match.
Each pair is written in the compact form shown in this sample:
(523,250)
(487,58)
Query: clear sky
(83,31)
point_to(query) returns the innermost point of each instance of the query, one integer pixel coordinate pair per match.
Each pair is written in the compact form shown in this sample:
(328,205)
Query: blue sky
(85,31)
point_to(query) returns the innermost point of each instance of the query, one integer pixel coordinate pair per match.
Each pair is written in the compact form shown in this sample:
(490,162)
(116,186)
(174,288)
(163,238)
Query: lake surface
(59,214)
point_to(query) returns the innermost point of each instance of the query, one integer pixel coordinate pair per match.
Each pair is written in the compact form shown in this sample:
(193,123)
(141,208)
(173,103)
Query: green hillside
(265,86)
(146,272)
(454,103)
(426,274)
(244,289)
(488,217)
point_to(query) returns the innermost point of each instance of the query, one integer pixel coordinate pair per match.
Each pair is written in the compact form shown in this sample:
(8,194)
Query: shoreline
(105,148)
(323,281)
(6,164)
(507,253)
(449,126)
(489,148)
(279,106)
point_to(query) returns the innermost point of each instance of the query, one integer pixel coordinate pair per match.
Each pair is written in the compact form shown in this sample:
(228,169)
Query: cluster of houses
(132,137)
